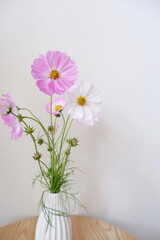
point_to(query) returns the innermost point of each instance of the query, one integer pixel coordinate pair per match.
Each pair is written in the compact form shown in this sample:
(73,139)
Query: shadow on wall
(109,159)
(96,165)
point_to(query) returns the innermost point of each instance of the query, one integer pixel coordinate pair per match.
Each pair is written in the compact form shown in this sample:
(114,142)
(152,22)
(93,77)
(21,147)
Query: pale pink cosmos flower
(54,73)
(7,105)
(83,100)
(58,104)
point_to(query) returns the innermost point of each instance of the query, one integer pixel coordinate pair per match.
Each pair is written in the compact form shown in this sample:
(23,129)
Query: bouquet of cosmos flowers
(57,74)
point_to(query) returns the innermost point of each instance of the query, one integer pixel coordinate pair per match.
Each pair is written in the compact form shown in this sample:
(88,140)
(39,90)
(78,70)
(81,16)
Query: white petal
(94,98)
(94,108)
(77,112)
(84,87)
(93,95)
(87,113)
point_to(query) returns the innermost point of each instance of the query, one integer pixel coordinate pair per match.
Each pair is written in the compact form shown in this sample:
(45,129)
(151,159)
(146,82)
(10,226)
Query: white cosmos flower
(83,100)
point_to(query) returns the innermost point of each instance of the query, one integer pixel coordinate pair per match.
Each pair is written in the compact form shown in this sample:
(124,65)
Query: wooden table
(83,228)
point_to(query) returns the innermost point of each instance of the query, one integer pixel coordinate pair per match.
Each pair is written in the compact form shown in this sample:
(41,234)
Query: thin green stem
(61,130)
(39,161)
(35,145)
(44,164)
(63,170)
(42,126)
(52,155)
(38,121)
(63,134)
(68,129)
(59,155)
(51,118)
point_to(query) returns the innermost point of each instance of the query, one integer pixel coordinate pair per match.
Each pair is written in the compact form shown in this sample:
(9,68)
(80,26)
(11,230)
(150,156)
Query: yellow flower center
(81,101)
(54,74)
(58,107)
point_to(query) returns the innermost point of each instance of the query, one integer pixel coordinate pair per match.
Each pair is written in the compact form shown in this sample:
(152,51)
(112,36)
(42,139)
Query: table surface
(83,228)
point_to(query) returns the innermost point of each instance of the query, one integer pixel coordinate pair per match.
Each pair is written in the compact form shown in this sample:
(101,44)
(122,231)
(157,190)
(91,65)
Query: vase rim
(50,193)
(54,196)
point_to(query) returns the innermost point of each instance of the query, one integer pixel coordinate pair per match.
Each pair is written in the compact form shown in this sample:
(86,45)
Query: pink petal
(40,65)
(17,130)
(65,60)
(70,67)
(51,85)
(43,86)
(61,85)
(8,119)
(52,59)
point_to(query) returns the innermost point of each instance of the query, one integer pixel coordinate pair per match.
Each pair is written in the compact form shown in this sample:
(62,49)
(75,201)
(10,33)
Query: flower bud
(37,156)
(68,151)
(51,129)
(29,130)
(73,142)
(40,141)
(20,117)
(58,114)
(50,149)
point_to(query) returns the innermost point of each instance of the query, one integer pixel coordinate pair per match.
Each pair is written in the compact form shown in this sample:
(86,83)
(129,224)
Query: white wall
(116,45)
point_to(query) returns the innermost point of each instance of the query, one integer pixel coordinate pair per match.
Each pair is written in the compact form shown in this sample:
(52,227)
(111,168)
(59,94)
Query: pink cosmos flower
(7,106)
(54,73)
(83,100)
(58,104)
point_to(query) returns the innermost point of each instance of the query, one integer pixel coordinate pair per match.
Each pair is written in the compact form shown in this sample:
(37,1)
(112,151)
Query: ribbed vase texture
(62,228)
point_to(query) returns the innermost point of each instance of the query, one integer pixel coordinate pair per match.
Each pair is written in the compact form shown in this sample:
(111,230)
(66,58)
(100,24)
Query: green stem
(35,145)
(38,121)
(39,161)
(59,155)
(65,125)
(61,130)
(63,170)
(51,119)
(42,126)
(44,164)
(52,155)
(68,129)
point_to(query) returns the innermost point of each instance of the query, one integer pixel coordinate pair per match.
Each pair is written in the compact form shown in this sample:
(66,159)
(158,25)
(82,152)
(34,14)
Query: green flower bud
(29,130)
(50,129)
(37,156)
(40,141)
(50,149)
(20,117)
(73,142)
(68,151)
(58,115)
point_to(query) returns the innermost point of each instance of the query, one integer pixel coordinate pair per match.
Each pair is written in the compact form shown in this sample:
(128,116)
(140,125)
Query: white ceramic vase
(62,228)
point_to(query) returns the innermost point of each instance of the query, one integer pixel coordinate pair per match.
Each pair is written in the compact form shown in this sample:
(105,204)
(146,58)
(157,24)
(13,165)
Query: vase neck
(54,197)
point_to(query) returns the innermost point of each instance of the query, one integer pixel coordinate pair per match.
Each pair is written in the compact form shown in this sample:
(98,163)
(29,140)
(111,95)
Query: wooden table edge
(73,219)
